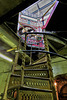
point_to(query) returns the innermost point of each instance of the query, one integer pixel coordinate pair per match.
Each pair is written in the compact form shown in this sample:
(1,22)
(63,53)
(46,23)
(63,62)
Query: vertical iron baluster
(49,67)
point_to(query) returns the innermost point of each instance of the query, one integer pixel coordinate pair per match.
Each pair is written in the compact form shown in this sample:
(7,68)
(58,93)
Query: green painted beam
(55,40)
(52,46)
(63,51)
(5,68)
(59,66)
(8,37)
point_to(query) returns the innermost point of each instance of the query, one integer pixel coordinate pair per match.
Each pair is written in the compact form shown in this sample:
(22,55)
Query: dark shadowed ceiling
(58,21)
(9,8)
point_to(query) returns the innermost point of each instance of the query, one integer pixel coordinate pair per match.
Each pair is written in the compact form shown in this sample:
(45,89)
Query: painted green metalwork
(32,82)
(41,83)
(59,66)
(49,67)
(42,73)
(34,95)
(16,57)
(23,61)
(14,80)
(37,66)
(48,60)
(5,72)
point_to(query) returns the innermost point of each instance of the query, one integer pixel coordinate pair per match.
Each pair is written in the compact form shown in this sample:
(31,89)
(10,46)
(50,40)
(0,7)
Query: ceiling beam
(52,46)
(56,40)
(8,37)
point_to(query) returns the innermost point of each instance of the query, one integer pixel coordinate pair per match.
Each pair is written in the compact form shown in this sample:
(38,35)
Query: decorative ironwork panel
(37,73)
(12,94)
(37,83)
(34,95)
(14,81)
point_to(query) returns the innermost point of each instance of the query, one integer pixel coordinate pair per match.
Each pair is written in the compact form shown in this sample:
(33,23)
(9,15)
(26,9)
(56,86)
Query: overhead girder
(7,36)
(52,46)
(55,40)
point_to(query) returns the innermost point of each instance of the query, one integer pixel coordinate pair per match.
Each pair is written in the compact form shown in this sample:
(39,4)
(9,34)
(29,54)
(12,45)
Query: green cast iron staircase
(32,82)
(35,86)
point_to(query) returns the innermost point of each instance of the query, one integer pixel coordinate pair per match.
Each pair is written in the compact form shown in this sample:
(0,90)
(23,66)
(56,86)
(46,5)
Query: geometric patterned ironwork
(34,95)
(15,80)
(37,83)
(37,73)
(35,78)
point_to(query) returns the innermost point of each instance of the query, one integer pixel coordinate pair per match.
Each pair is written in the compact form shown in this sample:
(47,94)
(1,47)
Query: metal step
(14,80)
(17,71)
(42,65)
(27,93)
(36,82)
(35,94)
(43,73)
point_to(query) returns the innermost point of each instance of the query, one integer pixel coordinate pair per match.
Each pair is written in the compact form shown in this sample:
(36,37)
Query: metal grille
(14,81)
(37,83)
(36,73)
(35,95)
